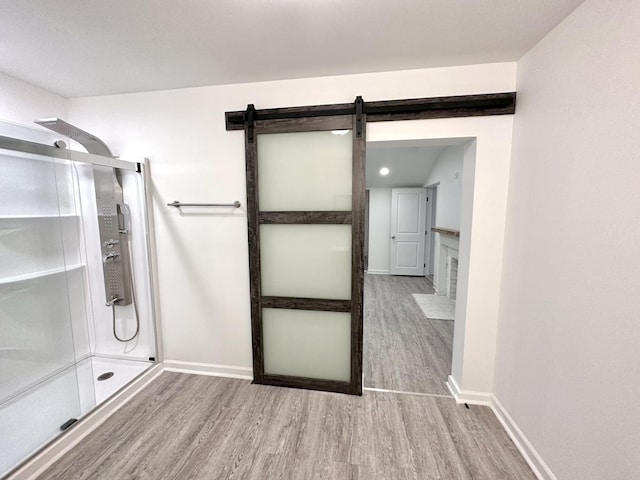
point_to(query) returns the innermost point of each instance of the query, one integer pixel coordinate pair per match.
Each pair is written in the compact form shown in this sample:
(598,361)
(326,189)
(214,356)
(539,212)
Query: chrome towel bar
(178,204)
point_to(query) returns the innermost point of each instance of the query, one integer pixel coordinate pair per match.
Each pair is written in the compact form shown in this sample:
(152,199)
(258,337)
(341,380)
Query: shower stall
(77,320)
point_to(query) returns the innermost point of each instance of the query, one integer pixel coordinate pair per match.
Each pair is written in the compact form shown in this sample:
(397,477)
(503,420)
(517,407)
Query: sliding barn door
(305,198)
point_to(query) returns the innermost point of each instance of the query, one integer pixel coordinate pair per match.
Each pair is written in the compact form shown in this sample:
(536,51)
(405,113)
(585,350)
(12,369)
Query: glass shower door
(39,390)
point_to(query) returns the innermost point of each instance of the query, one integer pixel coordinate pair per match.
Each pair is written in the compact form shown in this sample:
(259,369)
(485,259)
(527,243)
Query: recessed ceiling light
(384,171)
(340,132)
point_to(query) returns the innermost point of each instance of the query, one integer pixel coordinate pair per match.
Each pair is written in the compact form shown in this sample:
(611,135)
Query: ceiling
(96,47)
(409,162)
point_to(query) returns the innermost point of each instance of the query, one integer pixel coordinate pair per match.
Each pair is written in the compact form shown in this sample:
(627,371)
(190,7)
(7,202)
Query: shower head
(92,143)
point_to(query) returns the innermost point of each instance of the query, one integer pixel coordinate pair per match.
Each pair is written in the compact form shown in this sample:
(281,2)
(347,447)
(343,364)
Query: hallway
(403,350)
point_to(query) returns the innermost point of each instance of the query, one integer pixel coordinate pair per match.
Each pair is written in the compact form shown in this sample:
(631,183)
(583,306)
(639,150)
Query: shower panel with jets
(76,295)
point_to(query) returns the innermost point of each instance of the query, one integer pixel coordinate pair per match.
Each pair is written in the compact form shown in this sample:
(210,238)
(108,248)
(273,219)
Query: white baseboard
(467,396)
(377,272)
(531,456)
(52,452)
(526,449)
(244,373)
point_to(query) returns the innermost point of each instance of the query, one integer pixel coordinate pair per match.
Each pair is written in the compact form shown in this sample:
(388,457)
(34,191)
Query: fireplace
(445,279)
(452,277)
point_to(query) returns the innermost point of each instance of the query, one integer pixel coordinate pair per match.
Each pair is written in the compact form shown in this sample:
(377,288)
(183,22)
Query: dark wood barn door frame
(333,117)
(355,218)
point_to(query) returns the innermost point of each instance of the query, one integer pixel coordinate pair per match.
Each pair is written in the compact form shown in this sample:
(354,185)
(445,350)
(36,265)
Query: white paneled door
(408,214)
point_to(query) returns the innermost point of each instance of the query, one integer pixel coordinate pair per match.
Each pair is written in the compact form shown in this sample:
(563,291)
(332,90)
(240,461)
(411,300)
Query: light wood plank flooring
(403,350)
(199,427)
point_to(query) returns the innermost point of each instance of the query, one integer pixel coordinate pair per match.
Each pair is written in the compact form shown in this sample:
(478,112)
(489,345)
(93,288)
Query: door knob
(393,237)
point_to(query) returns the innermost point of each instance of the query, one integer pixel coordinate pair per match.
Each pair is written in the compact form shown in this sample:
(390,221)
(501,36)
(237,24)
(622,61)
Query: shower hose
(133,290)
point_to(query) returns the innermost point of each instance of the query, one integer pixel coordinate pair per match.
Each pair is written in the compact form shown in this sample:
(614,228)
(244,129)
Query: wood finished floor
(403,350)
(199,427)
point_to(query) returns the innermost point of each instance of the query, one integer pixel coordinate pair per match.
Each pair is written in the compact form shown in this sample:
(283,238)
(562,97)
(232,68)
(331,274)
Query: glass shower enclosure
(77,319)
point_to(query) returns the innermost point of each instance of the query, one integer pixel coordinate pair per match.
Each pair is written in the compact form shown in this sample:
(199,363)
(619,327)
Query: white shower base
(123,372)
(71,393)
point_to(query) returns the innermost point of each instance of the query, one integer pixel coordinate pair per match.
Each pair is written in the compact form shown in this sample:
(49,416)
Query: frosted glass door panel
(306,261)
(305,343)
(307,171)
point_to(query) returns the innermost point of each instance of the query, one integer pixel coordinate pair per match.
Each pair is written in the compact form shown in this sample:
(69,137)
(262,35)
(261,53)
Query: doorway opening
(413,223)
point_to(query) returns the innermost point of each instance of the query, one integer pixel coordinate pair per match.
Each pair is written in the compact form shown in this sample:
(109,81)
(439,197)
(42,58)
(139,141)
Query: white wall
(203,267)
(443,173)
(22,102)
(379,229)
(567,366)
(446,176)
